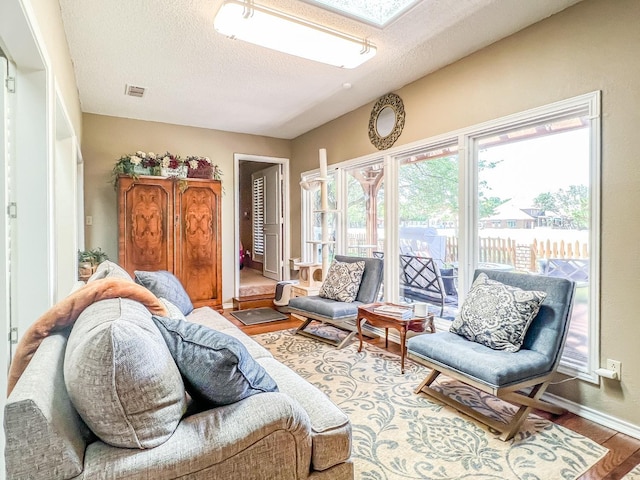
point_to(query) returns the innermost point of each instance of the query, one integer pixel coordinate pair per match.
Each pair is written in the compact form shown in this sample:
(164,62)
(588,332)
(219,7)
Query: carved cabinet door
(145,215)
(198,241)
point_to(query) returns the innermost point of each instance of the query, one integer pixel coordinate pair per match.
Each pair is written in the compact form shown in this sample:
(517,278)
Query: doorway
(261,224)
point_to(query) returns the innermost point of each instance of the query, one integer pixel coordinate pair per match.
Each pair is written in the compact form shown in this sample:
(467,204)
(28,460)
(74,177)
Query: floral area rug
(400,435)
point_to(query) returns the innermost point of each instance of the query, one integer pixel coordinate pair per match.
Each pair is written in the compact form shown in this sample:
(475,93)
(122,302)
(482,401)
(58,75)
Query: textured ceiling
(197,77)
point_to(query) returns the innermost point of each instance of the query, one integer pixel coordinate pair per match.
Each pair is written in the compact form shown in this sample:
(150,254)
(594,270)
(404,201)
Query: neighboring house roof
(508,211)
(551,214)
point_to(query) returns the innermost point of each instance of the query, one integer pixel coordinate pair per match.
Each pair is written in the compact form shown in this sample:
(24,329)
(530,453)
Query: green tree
(488,205)
(545,201)
(572,204)
(356,205)
(429,190)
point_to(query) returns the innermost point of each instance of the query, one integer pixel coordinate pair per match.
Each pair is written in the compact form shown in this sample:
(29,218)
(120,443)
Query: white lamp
(279,31)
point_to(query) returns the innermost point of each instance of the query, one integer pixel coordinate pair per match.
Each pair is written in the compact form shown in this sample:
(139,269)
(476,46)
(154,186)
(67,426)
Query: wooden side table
(416,324)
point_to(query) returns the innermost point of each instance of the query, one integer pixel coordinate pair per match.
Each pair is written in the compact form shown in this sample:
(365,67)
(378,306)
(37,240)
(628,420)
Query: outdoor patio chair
(342,315)
(576,269)
(422,280)
(499,372)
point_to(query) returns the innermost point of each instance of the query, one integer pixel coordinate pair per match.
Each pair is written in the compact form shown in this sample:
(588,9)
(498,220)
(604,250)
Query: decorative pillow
(174,311)
(120,375)
(497,315)
(108,269)
(343,281)
(216,367)
(166,285)
(67,310)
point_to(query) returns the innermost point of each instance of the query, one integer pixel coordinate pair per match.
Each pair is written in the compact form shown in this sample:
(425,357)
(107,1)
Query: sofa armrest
(209,438)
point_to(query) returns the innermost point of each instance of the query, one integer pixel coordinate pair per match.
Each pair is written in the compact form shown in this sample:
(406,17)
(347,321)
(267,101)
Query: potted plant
(139,163)
(202,167)
(172,166)
(88,261)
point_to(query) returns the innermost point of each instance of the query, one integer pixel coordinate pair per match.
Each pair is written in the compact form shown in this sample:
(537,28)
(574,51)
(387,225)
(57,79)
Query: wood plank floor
(624,451)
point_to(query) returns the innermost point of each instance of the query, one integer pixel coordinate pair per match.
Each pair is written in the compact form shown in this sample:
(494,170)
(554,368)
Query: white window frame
(585,105)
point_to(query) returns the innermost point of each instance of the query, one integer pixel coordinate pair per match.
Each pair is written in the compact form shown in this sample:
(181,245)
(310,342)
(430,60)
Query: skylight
(378,13)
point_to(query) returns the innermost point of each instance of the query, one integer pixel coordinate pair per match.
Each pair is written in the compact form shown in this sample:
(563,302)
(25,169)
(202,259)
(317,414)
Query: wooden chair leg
(516,421)
(304,325)
(527,403)
(537,402)
(508,430)
(427,381)
(336,343)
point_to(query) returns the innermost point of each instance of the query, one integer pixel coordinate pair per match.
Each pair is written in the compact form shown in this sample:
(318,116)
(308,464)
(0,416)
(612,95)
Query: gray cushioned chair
(498,372)
(339,314)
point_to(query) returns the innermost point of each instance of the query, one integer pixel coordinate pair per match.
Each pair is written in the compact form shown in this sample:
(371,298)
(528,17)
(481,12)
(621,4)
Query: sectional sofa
(295,432)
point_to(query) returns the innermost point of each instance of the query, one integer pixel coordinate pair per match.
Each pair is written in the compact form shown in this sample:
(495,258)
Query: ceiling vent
(134,91)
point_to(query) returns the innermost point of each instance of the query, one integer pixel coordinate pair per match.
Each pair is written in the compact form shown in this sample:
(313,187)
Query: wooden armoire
(167,224)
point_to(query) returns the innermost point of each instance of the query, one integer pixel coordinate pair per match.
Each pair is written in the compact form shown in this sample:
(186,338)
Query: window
(364,209)
(258,217)
(537,193)
(522,195)
(312,229)
(428,188)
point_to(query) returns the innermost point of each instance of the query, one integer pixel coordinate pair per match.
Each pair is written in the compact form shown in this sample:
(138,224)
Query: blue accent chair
(342,315)
(502,373)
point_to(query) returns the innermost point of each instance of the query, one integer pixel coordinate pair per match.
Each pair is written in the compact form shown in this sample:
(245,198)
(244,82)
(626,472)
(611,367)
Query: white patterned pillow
(497,315)
(343,281)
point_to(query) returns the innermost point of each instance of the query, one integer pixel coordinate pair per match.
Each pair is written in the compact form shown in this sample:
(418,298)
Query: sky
(538,165)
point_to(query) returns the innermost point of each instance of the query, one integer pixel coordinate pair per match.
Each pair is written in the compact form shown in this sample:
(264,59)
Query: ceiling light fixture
(269,28)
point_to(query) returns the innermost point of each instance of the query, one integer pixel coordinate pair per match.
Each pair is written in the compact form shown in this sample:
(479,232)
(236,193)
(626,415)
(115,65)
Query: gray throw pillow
(166,285)
(216,368)
(121,377)
(174,311)
(109,269)
(497,315)
(343,281)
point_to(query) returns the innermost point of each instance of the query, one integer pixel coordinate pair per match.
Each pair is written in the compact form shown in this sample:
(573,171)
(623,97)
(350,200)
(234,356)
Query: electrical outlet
(615,366)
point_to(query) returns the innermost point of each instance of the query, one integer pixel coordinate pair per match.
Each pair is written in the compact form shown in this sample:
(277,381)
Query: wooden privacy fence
(561,249)
(494,250)
(523,256)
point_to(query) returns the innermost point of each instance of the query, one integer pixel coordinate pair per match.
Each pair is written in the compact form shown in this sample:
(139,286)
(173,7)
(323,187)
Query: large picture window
(520,193)
(428,224)
(534,210)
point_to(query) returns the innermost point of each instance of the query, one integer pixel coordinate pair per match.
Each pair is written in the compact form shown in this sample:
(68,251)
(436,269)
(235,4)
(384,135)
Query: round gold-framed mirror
(386,121)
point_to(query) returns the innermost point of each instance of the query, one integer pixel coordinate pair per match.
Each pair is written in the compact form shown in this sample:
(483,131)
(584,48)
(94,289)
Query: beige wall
(106,139)
(591,46)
